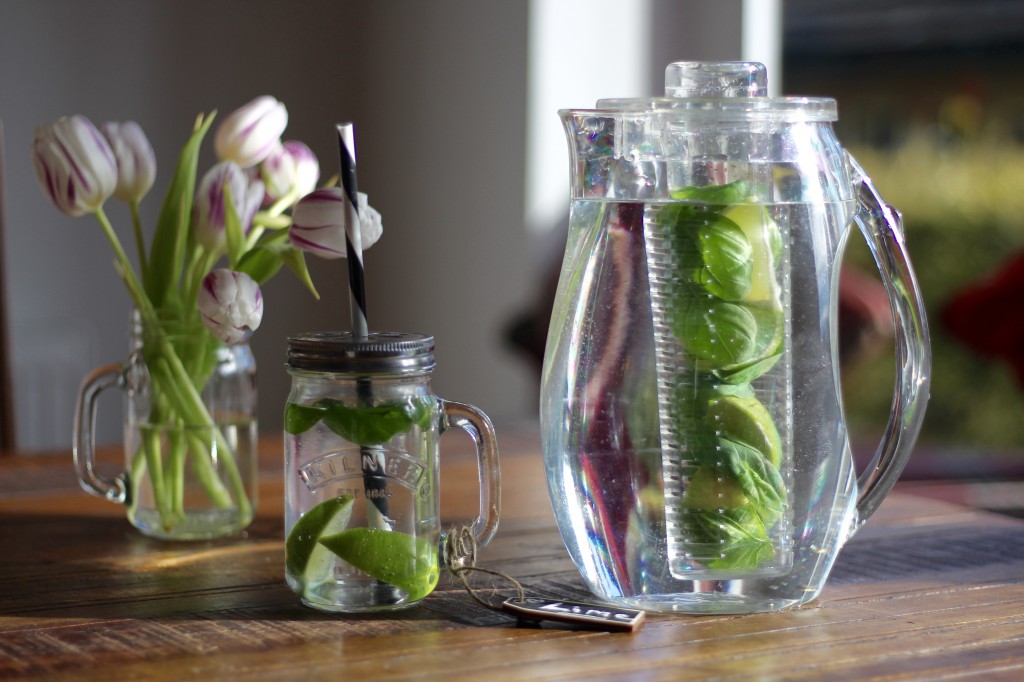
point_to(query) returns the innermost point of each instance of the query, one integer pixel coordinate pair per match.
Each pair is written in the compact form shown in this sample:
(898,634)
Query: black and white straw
(353,241)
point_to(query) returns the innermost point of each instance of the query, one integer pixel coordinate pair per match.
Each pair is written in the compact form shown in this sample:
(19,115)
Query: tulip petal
(318,223)
(136,162)
(74,165)
(231,305)
(210,209)
(250,133)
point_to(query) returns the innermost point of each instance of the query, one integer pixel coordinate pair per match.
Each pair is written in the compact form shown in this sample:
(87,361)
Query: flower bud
(210,207)
(250,133)
(290,165)
(318,223)
(74,164)
(231,305)
(136,162)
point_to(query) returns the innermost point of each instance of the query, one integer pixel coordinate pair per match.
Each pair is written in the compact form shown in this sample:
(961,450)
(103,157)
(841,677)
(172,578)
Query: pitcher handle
(882,228)
(479,427)
(84,440)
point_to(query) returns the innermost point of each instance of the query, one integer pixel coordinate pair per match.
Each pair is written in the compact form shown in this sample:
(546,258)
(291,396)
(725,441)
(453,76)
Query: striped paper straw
(357,308)
(353,241)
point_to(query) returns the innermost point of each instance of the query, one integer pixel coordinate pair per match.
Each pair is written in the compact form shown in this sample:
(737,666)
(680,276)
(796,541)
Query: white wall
(438,93)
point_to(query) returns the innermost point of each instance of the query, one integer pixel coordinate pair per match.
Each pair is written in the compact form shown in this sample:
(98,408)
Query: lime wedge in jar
(746,420)
(766,249)
(764,299)
(405,561)
(307,560)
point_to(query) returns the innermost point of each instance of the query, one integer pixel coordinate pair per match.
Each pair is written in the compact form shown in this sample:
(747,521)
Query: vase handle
(84,444)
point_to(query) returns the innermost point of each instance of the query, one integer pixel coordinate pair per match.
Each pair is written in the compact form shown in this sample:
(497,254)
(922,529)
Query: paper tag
(576,613)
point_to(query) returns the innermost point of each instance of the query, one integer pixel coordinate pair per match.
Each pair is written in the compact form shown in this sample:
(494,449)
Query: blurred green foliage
(962,200)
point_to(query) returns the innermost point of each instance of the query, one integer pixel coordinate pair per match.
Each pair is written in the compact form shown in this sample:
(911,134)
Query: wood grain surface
(927,590)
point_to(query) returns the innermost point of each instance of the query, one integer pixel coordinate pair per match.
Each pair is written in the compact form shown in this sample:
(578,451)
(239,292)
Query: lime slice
(305,559)
(710,489)
(407,562)
(765,242)
(745,419)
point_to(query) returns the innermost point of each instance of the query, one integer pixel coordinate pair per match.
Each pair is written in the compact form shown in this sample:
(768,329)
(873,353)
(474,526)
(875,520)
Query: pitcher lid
(727,90)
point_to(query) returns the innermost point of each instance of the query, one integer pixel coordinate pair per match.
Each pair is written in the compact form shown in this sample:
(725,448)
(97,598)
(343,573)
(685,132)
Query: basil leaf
(729,193)
(746,372)
(727,538)
(364,425)
(374,424)
(709,250)
(421,412)
(767,347)
(727,259)
(301,418)
(756,477)
(717,332)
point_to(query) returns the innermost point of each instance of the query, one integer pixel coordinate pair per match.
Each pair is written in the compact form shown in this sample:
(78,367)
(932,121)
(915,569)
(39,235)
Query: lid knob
(716,79)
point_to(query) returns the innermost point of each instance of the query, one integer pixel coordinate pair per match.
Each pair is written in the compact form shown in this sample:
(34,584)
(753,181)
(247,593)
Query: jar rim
(376,353)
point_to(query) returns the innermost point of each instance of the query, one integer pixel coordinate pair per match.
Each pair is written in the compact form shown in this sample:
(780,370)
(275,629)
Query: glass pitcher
(691,414)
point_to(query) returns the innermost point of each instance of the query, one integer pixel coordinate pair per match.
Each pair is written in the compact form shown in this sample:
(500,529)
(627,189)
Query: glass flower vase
(190,432)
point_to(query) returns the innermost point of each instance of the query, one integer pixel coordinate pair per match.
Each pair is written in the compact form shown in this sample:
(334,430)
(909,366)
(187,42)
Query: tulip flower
(318,223)
(210,206)
(249,134)
(231,305)
(74,164)
(136,162)
(290,167)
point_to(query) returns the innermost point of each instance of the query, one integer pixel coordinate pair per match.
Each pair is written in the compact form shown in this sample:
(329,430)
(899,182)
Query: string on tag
(459,556)
(458,552)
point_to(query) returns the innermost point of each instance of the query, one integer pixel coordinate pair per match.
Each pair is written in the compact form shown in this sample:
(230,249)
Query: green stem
(162,375)
(177,383)
(140,243)
(135,474)
(163,423)
(271,218)
(151,448)
(202,263)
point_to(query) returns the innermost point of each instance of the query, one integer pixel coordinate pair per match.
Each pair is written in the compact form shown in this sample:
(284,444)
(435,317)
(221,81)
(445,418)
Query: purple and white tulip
(231,305)
(290,166)
(74,164)
(318,223)
(251,132)
(210,207)
(136,162)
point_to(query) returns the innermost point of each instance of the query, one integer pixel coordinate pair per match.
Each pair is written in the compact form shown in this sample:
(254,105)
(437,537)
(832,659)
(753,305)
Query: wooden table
(927,590)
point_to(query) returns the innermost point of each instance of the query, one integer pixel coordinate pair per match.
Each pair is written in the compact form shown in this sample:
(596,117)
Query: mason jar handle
(882,228)
(97,381)
(478,426)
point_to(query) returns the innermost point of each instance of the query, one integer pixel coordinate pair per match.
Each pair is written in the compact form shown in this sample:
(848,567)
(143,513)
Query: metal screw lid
(377,353)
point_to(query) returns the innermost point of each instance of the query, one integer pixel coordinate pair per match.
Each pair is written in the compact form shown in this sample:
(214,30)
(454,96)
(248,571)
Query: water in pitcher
(693,400)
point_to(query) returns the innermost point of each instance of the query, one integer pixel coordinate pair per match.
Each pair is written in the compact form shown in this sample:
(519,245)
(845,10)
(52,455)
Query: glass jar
(190,432)
(362,435)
